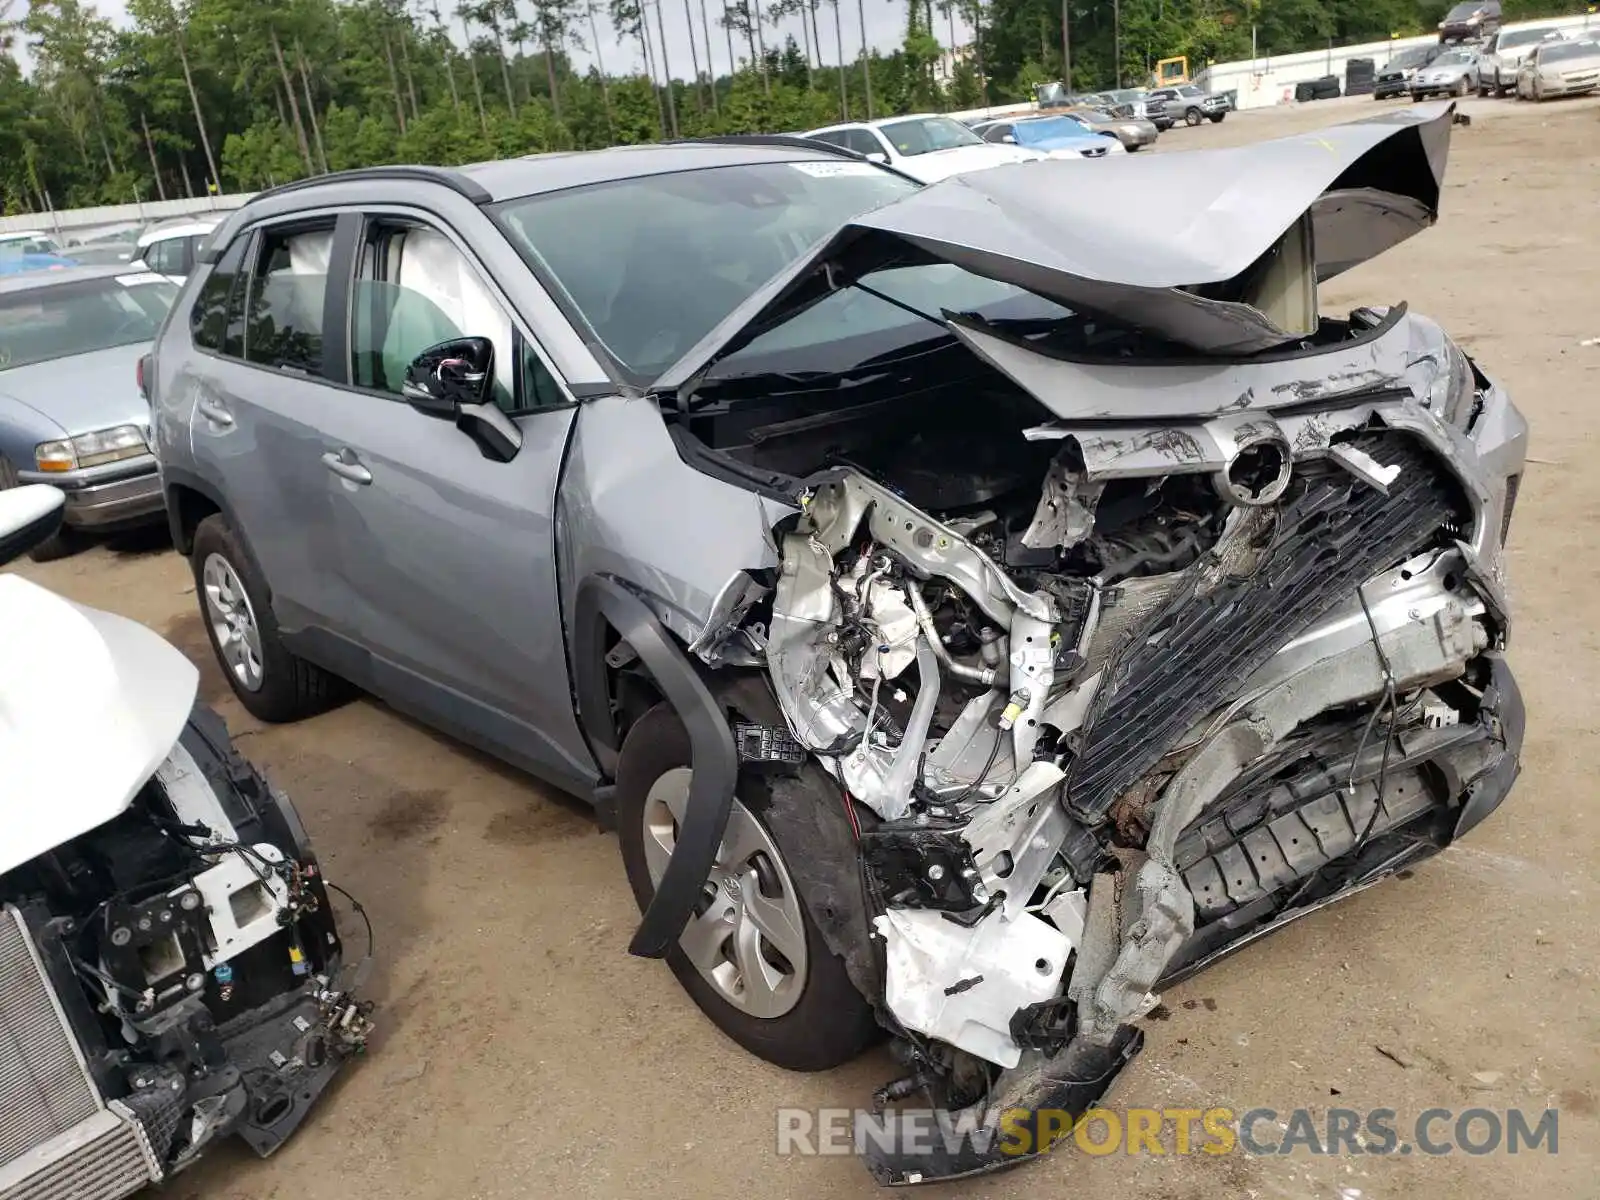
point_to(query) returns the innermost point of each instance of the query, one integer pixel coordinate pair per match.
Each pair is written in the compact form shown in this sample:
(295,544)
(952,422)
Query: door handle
(345,465)
(213,411)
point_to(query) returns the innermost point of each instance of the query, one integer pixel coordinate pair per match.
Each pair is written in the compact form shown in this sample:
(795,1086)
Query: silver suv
(924,581)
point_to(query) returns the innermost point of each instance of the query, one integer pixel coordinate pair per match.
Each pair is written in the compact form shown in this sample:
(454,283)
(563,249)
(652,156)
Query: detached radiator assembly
(58,1139)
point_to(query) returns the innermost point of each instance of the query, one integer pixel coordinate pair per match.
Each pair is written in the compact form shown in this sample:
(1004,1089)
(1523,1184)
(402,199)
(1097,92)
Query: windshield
(652,264)
(1557,51)
(64,319)
(853,325)
(922,135)
(1126,95)
(1462,11)
(1192,89)
(1051,129)
(1522,37)
(1410,58)
(1455,58)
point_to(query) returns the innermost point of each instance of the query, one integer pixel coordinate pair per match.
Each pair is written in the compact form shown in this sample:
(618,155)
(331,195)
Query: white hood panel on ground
(90,705)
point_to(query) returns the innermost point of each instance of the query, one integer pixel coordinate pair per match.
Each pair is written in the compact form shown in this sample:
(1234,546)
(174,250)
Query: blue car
(1058,137)
(20,263)
(71,410)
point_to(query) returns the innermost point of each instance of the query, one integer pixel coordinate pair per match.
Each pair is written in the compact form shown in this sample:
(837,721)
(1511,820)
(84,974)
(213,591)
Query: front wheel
(1216,118)
(1462,86)
(751,957)
(1193,117)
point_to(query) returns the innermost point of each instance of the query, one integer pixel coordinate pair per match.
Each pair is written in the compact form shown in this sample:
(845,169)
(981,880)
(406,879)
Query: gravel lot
(522,1052)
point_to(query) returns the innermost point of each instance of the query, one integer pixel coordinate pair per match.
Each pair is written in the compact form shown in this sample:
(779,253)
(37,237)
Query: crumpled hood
(1116,242)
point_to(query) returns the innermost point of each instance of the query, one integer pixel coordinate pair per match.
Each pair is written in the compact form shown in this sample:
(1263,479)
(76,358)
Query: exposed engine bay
(169,978)
(1121,698)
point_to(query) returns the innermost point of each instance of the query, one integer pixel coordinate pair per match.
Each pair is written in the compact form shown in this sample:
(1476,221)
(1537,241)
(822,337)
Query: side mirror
(29,516)
(455,380)
(1010,139)
(878,156)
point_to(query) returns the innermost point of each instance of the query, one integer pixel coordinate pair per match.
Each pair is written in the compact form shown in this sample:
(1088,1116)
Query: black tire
(831,1023)
(1193,117)
(1216,118)
(1462,86)
(291,688)
(61,543)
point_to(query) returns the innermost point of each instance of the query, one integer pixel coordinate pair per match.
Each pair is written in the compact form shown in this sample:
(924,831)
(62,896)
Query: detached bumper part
(1035,1106)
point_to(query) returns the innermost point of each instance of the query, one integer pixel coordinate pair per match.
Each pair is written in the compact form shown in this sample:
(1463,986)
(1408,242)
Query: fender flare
(715,763)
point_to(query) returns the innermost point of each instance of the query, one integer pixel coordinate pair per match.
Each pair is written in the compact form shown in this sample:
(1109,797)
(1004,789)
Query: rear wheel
(271,682)
(751,957)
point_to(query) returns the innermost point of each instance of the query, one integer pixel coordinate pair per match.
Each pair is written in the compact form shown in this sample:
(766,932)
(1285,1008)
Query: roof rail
(454,180)
(794,141)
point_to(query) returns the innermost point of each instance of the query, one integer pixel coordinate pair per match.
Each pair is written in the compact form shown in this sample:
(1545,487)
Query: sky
(886,22)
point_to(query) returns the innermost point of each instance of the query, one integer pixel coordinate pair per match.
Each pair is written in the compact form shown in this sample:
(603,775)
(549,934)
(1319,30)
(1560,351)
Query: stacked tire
(1360,76)
(1326,88)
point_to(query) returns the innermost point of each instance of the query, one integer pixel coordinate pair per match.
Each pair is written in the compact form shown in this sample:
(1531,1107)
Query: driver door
(448,556)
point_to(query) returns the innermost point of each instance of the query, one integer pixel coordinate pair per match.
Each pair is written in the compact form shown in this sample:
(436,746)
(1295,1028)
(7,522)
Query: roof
(30,281)
(180,227)
(541,173)
(880,122)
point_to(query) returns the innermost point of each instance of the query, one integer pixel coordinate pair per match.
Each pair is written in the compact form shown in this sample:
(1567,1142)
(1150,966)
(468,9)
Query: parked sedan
(71,413)
(1559,69)
(1470,21)
(928,148)
(1395,77)
(1055,136)
(1453,73)
(1134,133)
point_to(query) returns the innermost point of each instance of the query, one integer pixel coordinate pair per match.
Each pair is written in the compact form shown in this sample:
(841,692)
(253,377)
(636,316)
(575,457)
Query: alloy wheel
(233,622)
(746,937)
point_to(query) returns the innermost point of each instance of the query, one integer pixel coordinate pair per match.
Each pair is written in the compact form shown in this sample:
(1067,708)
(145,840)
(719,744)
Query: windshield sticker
(141,277)
(827,170)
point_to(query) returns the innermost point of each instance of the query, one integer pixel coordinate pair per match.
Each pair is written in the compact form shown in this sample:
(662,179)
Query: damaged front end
(1120,657)
(169,978)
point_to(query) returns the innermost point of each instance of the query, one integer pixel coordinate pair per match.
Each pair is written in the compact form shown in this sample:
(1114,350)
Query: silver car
(1559,69)
(923,581)
(71,412)
(1453,73)
(1503,54)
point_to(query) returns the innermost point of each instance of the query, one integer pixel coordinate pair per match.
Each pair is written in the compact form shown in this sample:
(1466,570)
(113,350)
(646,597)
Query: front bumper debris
(1037,1105)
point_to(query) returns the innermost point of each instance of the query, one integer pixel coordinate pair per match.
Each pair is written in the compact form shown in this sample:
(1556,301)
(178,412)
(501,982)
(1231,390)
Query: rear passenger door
(262,386)
(447,557)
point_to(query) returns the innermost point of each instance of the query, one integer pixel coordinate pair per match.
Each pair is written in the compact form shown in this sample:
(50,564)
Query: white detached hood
(90,706)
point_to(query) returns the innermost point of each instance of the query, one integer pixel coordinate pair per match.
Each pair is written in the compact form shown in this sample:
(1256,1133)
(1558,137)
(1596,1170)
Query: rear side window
(288,284)
(216,322)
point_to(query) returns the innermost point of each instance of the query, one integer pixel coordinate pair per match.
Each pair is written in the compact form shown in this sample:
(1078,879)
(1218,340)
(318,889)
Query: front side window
(81,317)
(415,289)
(864,141)
(651,265)
(289,282)
(924,135)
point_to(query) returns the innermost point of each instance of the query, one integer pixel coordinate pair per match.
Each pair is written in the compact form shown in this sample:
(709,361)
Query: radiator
(57,1140)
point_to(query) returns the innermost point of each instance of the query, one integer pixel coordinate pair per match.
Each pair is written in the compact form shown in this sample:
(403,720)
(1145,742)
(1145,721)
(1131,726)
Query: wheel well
(628,682)
(188,507)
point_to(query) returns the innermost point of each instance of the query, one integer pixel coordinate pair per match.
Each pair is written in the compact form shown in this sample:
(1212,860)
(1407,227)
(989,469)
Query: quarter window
(217,319)
(283,327)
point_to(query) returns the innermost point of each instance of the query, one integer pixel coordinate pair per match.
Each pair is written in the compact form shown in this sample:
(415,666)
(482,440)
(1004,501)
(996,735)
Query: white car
(927,147)
(172,247)
(31,241)
(1503,54)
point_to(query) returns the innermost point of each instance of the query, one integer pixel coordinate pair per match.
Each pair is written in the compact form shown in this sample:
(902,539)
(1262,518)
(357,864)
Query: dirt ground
(523,1053)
